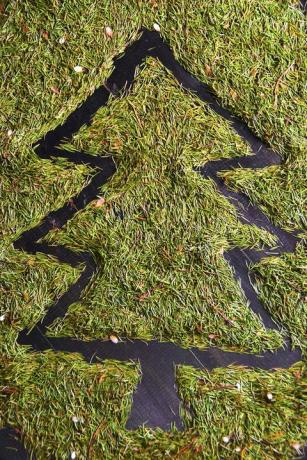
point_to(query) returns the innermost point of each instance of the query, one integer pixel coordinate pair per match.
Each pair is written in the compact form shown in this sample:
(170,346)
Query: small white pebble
(109,32)
(62,40)
(78,68)
(2,317)
(269,396)
(9,132)
(238,449)
(156,27)
(114,339)
(73,455)
(226,439)
(76,419)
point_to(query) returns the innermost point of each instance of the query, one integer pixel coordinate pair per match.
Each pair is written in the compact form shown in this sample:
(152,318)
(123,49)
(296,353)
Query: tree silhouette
(156,402)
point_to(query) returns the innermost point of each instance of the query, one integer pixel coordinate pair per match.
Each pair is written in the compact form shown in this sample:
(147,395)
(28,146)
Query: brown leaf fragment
(277,435)
(6,154)
(208,70)
(117,144)
(6,390)
(278,83)
(101,378)
(180,248)
(55,90)
(149,292)
(72,205)
(297,375)
(25,28)
(222,314)
(145,295)
(213,336)
(233,94)
(102,426)
(100,202)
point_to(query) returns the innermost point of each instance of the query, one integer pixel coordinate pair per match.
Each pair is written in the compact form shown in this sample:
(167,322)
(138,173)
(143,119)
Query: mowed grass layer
(28,286)
(280,191)
(251,52)
(235,418)
(160,236)
(226,412)
(30,188)
(62,405)
(281,282)
(87,406)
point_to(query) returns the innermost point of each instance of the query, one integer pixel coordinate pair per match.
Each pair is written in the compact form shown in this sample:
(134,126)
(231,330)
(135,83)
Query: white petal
(226,439)
(2,317)
(114,339)
(78,68)
(9,132)
(109,31)
(73,455)
(62,40)
(156,27)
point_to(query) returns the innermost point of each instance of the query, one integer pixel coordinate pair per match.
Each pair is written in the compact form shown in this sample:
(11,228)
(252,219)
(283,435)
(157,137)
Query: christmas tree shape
(155,401)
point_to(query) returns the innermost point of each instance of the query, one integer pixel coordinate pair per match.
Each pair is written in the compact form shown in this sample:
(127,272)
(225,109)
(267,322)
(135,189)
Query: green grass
(280,191)
(255,54)
(30,188)
(282,287)
(86,411)
(65,417)
(241,48)
(29,284)
(161,270)
(259,428)
(169,279)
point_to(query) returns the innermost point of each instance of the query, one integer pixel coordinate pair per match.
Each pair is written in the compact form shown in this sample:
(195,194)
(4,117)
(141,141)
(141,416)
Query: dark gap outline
(155,401)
